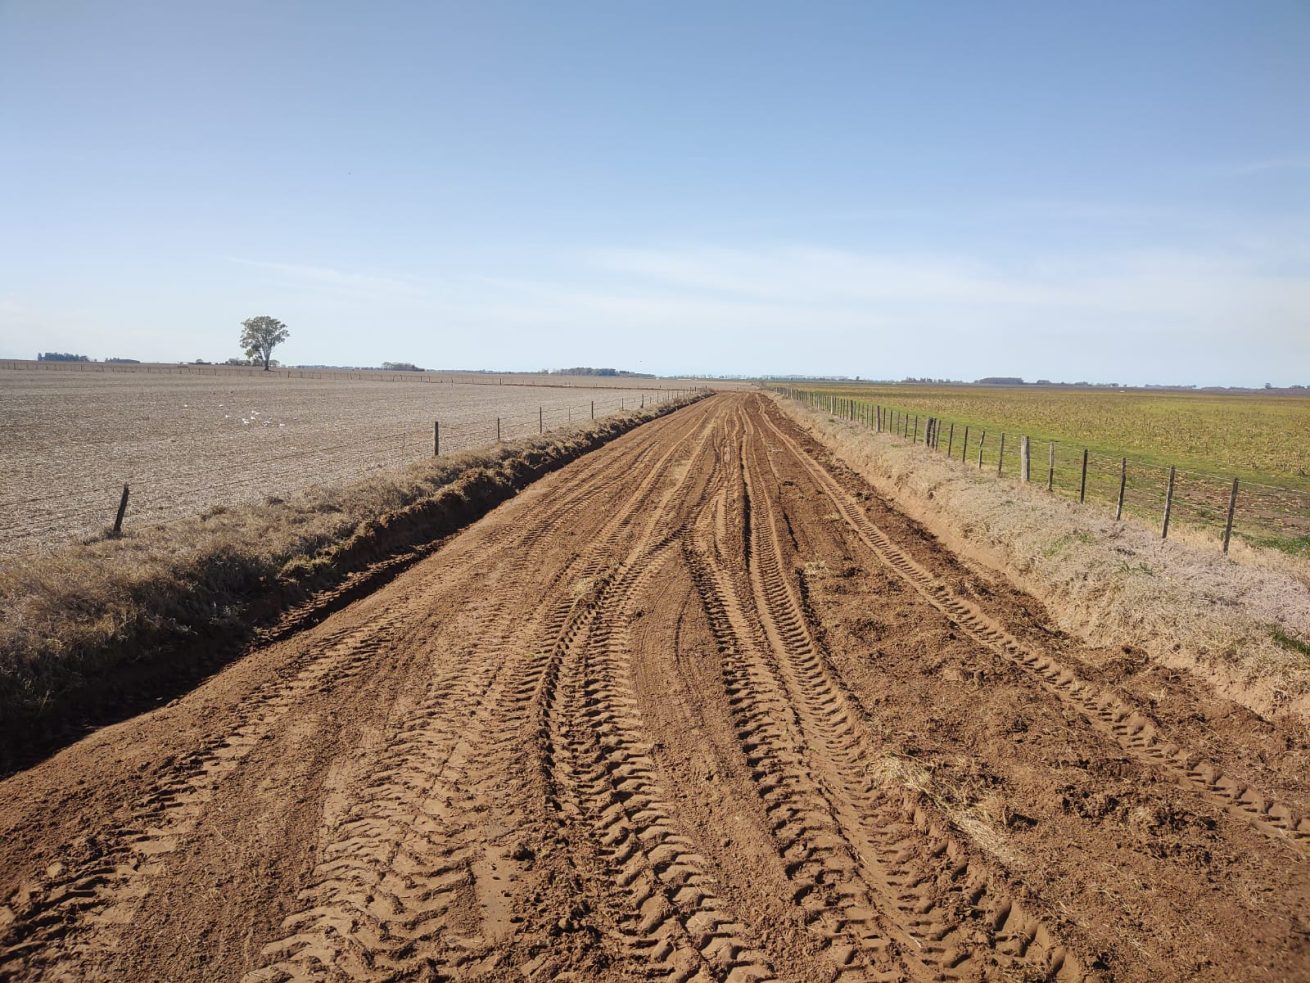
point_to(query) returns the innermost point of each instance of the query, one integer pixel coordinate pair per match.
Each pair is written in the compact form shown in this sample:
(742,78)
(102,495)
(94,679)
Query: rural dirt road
(698,706)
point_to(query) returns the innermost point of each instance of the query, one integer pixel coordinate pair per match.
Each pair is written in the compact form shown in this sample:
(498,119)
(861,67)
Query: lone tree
(260,335)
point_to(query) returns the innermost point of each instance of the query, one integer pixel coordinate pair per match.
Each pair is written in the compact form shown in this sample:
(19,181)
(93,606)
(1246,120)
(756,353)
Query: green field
(1264,440)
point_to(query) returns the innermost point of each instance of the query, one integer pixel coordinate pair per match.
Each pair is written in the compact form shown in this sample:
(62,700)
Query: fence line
(127,495)
(1262,513)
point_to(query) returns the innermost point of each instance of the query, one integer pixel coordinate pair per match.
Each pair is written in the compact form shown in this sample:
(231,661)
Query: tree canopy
(260,335)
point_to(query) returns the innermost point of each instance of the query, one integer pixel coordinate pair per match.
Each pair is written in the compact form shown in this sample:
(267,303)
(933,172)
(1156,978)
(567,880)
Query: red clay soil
(697,706)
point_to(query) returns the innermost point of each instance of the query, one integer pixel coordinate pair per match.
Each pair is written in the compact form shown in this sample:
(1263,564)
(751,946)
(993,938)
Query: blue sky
(1114,192)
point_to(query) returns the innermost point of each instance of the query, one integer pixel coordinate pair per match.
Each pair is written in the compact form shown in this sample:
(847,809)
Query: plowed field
(188,442)
(698,706)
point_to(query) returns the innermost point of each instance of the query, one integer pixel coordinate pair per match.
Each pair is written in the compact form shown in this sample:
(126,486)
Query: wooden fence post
(1082,484)
(1025,459)
(964,452)
(915,439)
(950,440)
(1050,468)
(122,508)
(498,430)
(436,438)
(981,441)
(1168,502)
(1228,524)
(1000,455)
(593,409)
(1123,484)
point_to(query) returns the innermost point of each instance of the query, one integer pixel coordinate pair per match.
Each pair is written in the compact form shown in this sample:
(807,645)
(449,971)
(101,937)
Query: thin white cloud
(306,275)
(1295,163)
(1240,316)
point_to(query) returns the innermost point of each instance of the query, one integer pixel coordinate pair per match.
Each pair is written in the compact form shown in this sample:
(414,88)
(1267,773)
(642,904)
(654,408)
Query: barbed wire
(1195,492)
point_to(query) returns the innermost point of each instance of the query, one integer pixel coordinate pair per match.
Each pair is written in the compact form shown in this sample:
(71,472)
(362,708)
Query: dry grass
(90,630)
(1107,582)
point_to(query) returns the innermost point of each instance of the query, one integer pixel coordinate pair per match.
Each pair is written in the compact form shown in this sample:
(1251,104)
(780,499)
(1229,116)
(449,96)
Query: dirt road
(698,706)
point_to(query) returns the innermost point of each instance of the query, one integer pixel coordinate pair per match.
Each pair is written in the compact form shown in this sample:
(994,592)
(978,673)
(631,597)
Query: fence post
(981,441)
(1168,502)
(541,422)
(498,430)
(1050,468)
(122,508)
(950,440)
(1232,506)
(915,439)
(964,452)
(1123,483)
(1000,455)
(593,409)
(436,438)
(1025,454)
(1082,483)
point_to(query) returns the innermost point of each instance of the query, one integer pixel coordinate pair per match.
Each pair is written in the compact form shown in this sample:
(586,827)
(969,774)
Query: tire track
(84,906)
(676,926)
(406,848)
(1127,727)
(956,924)
(602,777)
(377,898)
(838,905)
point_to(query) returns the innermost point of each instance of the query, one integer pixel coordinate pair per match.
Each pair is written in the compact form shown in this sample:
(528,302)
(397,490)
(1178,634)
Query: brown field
(700,705)
(191,439)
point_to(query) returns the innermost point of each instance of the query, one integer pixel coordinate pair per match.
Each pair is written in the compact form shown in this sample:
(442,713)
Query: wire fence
(42,519)
(1166,495)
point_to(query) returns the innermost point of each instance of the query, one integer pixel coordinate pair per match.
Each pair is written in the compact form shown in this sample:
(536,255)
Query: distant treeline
(60,357)
(587,370)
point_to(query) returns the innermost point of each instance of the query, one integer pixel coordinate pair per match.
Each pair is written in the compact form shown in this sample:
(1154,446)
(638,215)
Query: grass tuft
(1290,643)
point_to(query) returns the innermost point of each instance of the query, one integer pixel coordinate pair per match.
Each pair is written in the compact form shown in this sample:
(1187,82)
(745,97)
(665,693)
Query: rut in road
(1123,724)
(485,770)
